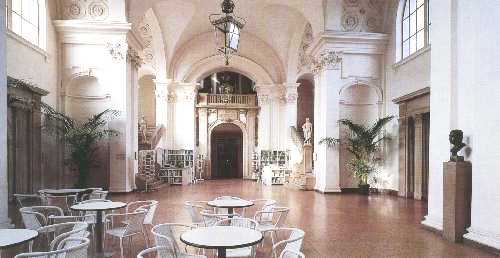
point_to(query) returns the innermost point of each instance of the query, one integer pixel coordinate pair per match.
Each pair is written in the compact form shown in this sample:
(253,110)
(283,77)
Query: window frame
(40,26)
(413,36)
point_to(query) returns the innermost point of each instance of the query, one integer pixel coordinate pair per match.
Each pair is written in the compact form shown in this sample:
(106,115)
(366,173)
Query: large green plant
(363,142)
(81,138)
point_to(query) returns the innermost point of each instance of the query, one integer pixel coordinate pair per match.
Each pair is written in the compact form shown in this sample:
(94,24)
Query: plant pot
(364,189)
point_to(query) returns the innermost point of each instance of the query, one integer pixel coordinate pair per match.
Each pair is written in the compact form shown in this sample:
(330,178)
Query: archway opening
(227,151)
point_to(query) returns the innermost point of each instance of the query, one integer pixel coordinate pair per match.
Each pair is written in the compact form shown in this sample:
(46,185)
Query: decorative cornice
(350,43)
(84,26)
(412,95)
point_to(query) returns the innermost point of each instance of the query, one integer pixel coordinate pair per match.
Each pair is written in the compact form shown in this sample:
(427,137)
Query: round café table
(230,204)
(99,208)
(12,237)
(62,192)
(221,238)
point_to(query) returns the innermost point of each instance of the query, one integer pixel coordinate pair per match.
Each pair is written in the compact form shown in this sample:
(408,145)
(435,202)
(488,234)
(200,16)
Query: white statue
(143,125)
(307,128)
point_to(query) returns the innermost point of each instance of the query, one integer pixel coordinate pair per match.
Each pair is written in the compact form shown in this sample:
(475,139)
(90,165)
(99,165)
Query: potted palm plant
(81,138)
(362,142)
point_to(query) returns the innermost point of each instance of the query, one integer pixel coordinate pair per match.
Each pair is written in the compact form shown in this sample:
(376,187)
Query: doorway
(227,152)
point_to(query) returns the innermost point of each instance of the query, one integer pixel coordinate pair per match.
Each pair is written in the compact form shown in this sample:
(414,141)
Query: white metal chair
(243,223)
(289,253)
(210,217)
(96,194)
(165,236)
(194,208)
(61,231)
(28,200)
(78,249)
(290,247)
(272,219)
(36,217)
(64,201)
(150,206)
(131,225)
(262,205)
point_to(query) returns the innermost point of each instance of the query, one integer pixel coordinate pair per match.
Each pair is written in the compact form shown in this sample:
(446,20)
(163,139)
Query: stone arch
(238,64)
(246,143)
(361,102)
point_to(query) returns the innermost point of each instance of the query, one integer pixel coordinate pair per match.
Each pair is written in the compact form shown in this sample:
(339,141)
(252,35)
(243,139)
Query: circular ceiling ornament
(350,22)
(98,10)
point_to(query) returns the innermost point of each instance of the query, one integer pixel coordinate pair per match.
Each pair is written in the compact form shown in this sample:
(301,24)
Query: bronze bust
(456,137)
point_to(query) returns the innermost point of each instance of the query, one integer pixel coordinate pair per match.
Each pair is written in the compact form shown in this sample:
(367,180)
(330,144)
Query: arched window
(415,25)
(27,19)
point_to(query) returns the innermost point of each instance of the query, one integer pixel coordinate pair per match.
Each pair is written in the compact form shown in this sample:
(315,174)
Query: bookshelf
(177,166)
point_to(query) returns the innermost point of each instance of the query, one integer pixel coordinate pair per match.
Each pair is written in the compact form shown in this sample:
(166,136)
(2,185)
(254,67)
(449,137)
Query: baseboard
(372,191)
(328,190)
(484,240)
(432,224)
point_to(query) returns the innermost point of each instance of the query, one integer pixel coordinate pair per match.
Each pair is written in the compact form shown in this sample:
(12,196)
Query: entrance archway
(227,151)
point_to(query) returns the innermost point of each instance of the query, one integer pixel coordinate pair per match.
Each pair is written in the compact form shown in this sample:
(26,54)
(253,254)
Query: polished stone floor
(336,225)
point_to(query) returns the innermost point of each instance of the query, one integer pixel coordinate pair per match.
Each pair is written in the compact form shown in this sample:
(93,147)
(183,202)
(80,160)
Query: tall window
(26,18)
(415,26)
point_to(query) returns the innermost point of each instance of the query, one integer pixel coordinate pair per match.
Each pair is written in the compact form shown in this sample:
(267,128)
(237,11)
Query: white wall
(37,67)
(401,77)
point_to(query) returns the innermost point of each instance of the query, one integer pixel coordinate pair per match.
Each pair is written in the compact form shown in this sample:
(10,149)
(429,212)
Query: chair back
(150,206)
(80,250)
(237,222)
(265,205)
(166,235)
(64,202)
(210,218)
(36,217)
(194,209)
(62,231)
(134,222)
(158,252)
(292,245)
(27,200)
(98,195)
(275,216)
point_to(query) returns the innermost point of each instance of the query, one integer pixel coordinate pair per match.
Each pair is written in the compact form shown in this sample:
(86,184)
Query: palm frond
(330,142)
(357,129)
(377,127)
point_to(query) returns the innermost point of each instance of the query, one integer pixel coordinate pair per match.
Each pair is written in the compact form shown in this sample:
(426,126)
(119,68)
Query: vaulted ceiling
(271,38)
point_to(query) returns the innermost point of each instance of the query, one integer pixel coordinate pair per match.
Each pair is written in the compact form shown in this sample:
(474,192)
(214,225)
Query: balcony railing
(227,100)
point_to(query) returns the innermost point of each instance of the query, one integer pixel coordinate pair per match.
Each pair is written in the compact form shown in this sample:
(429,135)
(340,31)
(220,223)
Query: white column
(442,83)
(162,109)
(328,82)
(4,202)
(183,97)
(264,118)
(291,97)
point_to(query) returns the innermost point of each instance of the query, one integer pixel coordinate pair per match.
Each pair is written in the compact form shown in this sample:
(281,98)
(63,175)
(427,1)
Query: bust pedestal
(457,186)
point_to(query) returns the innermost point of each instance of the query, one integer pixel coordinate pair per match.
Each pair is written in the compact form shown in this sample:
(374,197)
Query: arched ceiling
(274,30)
(272,23)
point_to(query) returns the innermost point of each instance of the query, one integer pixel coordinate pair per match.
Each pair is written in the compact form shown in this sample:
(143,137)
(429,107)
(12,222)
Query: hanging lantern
(227,29)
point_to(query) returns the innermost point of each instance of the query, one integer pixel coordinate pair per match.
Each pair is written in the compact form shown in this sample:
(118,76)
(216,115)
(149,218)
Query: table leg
(99,244)
(230,211)
(221,253)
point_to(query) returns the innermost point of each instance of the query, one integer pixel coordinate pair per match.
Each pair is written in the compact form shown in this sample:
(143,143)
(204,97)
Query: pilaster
(182,100)
(5,222)
(328,78)
(418,158)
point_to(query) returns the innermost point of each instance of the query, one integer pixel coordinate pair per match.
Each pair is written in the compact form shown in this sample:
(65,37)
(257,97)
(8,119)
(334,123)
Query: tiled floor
(346,225)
